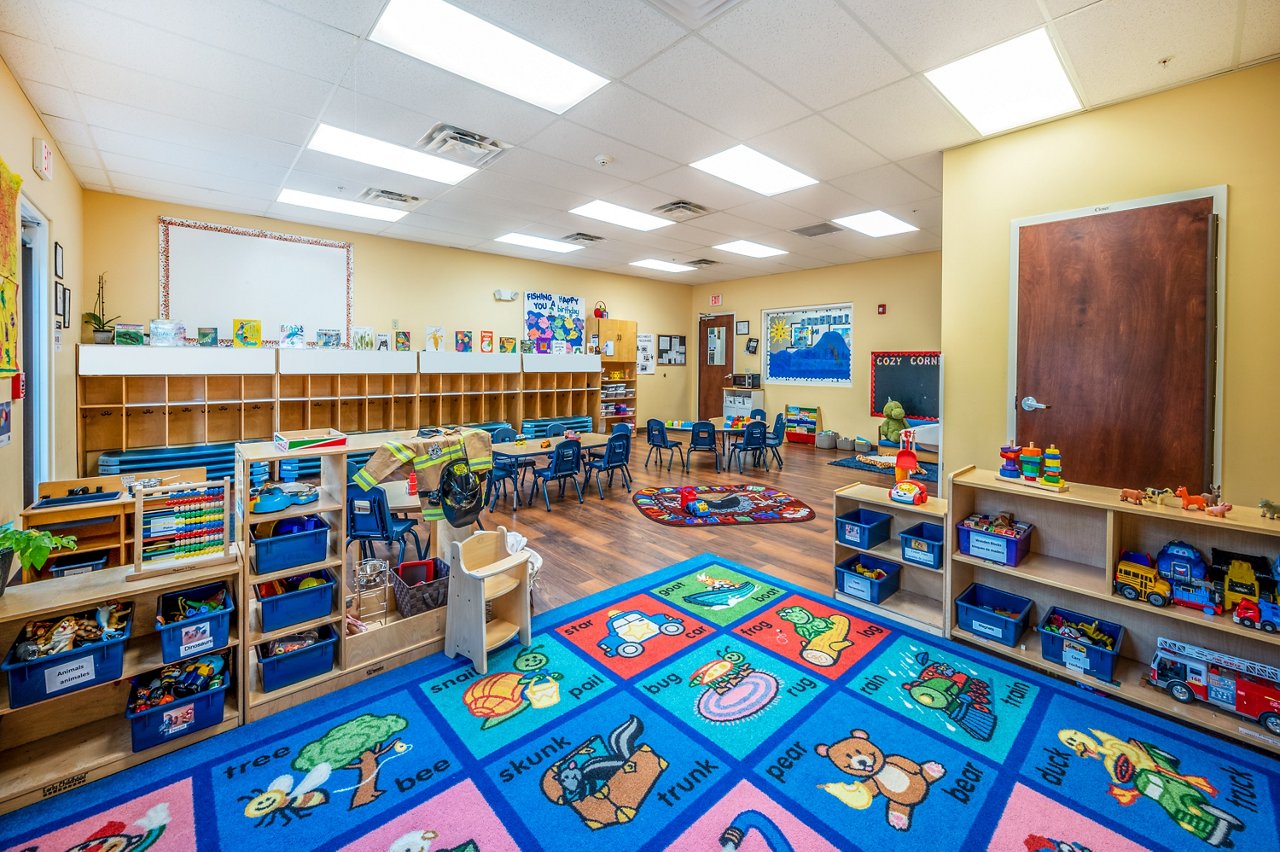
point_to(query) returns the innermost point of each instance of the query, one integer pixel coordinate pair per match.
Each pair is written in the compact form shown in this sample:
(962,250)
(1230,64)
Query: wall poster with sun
(810,345)
(9,228)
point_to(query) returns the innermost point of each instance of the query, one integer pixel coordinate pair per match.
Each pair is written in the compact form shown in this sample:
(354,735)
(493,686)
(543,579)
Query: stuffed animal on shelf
(894,421)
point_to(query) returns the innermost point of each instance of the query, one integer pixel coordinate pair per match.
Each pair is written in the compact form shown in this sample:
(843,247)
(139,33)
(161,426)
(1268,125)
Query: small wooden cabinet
(616,340)
(619,333)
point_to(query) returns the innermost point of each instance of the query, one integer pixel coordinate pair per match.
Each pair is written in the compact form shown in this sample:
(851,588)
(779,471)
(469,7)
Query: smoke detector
(817,230)
(461,146)
(680,210)
(582,238)
(389,198)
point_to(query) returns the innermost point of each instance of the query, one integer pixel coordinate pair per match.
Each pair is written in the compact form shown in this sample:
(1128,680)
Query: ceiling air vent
(681,210)
(461,146)
(694,13)
(582,238)
(700,262)
(389,198)
(817,230)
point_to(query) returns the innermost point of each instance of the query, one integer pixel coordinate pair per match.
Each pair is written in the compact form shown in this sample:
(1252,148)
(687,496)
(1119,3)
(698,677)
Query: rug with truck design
(656,715)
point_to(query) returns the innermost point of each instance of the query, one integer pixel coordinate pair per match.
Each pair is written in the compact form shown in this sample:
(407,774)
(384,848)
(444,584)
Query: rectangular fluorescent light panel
(365,149)
(543,243)
(754,170)
(1015,83)
(662,265)
(749,248)
(449,38)
(624,216)
(339,205)
(877,223)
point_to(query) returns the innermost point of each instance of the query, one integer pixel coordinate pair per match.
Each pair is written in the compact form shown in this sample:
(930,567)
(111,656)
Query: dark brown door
(1116,336)
(715,364)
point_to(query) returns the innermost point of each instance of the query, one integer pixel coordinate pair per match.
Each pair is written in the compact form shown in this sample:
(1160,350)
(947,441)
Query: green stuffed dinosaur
(894,421)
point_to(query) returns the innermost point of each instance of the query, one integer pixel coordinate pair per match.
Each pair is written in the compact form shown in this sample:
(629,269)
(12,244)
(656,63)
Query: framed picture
(753,345)
(64,305)
(742,327)
(57,260)
(59,299)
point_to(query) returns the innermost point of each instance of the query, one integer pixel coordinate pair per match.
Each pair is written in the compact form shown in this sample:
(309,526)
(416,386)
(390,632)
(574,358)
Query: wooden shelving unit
(616,339)
(922,592)
(1077,541)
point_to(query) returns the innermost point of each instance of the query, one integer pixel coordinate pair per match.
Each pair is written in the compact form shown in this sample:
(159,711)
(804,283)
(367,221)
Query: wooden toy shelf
(1077,541)
(620,362)
(919,601)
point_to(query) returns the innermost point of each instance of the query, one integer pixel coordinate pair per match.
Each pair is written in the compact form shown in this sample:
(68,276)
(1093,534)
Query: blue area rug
(930,469)
(656,716)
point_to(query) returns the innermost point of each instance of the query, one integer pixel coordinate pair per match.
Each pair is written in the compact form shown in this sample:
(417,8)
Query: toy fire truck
(1190,673)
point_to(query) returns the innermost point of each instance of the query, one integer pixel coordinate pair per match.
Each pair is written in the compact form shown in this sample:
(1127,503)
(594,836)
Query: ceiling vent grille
(680,210)
(582,238)
(461,146)
(389,198)
(694,13)
(817,230)
(701,262)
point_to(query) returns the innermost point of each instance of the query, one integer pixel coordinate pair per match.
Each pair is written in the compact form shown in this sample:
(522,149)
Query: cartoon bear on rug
(902,781)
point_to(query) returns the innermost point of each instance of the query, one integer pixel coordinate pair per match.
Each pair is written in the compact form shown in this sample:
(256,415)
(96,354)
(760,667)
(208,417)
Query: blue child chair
(504,468)
(614,459)
(555,430)
(505,435)
(752,442)
(773,441)
(759,414)
(566,460)
(703,439)
(658,441)
(369,520)
(618,429)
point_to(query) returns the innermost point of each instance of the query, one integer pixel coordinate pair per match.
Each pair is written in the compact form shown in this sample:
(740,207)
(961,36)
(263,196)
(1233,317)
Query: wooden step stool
(481,572)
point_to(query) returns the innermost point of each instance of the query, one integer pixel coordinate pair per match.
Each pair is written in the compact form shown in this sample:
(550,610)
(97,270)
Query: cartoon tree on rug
(357,744)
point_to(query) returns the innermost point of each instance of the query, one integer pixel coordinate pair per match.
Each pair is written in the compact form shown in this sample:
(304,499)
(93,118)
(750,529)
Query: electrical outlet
(395,323)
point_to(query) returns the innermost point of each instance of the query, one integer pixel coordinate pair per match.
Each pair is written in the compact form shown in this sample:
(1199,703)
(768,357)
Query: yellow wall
(1219,131)
(60,203)
(414,283)
(908,285)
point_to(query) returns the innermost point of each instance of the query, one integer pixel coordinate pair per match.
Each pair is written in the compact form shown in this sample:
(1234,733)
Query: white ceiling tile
(730,226)
(80,155)
(691,232)
(823,201)
(1115,46)
(352,16)
(925,214)
(289,213)
(22,18)
(700,81)
(816,147)
(699,187)
(578,145)
(860,244)
(929,33)
(773,213)
(927,167)
(640,197)
(364,113)
(541,168)
(514,188)
(66,130)
(903,120)
(814,50)
(53,100)
(119,165)
(31,60)
(624,113)
(1058,8)
(223,161)
(184,194)
(87,174)
(1260,30)
(885,185)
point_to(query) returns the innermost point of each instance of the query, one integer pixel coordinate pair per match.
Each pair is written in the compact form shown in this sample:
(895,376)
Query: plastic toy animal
(1158,495)
(1132,495)
(1189,500)
(60,638)
(1270,510)
(1218,511)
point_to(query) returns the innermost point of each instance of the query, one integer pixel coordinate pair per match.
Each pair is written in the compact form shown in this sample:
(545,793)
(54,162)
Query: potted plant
(103,332)
(32,548)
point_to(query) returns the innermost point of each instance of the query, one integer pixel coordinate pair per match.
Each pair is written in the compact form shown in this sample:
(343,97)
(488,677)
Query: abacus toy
(182,526)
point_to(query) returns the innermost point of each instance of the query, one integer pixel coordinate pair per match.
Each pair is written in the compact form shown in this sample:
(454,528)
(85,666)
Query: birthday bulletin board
(9,228)
(554,324)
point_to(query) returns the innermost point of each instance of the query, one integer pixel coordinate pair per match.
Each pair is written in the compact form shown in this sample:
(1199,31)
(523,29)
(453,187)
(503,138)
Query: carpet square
(823,637)
(718,594)
(1035,823)
(457,820)
(632,635)
(162,819)
(764,825)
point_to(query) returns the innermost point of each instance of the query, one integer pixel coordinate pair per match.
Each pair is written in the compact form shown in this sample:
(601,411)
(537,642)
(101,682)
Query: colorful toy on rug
(824,636)
(685,506)
(902,782)
(1032,466)
(1086,632)
(44,638)
(180,680)
(1190,673)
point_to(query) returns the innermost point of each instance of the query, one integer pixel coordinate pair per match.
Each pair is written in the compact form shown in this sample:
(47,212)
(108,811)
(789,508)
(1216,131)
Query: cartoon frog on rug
(1143,770)
(824,637)
(903,782)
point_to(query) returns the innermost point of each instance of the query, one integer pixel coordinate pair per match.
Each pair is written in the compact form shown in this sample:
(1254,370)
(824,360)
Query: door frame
(729,344)
(1219,195)
(39,404)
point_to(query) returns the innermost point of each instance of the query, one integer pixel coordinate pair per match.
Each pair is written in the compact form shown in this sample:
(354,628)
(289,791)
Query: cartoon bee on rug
(280,799)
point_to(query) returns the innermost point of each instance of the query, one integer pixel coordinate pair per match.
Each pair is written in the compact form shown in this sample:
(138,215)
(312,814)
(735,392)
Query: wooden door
(1116,335)
(715,344)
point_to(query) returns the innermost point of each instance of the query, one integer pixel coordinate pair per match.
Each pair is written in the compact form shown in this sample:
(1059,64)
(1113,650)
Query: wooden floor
(594,546)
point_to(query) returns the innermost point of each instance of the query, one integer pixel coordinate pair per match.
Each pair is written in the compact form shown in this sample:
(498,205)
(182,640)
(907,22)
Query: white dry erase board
(211,274)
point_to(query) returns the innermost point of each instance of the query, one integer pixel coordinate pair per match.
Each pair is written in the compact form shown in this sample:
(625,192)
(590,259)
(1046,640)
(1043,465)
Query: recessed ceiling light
(877,223)
(754,170)
(662,265)
(624,216)
(749,248)
(339,205)
(1015,83)
(365,149)
(543,243)
(449,38)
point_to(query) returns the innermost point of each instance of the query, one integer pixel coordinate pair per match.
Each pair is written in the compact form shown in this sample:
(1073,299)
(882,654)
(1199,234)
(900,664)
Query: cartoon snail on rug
(499,696)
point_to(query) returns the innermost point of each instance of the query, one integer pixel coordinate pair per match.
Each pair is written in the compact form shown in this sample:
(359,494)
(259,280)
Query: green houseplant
(32,547)
(97,318)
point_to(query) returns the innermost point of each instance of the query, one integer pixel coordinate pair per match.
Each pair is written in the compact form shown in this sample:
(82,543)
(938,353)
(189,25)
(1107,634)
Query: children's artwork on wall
(292,336)
(671,349)
(246,334)
(9,228)
(384,342)
(328,338)
(168,333)
(207,335)
(549,317)
(506,345)
(526,346)
(362,337)
(646,365)
(402,341)
(486,341)
(129,334)
(808,346)
(433,340)
(6,422)
(462,341)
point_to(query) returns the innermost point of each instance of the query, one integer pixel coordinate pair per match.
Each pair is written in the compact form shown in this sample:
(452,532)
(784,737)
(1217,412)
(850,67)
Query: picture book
(292,336)
(247,334)
(486,341)
(361,337)
(506,344)
(462,341)
(434,339)
(328,338)
(384,342)
(168,333)
(129,334)
(402,341)
(207,336)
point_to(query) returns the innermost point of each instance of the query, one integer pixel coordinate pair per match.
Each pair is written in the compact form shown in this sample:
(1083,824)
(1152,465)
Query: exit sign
(716,300)
(42,158)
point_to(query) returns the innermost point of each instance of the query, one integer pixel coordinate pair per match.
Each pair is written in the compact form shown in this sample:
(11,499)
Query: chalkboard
(911,378)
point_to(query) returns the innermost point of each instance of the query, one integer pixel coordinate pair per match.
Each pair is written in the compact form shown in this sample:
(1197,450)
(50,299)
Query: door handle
(1029,403)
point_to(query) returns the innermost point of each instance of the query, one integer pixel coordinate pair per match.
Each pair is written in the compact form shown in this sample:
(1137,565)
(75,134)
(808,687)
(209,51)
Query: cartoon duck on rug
(720,594)
(1143,770)
(824,638)
(497,697)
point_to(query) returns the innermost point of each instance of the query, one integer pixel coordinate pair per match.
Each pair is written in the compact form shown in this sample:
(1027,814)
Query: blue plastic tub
(850,582)
(1081,657)
(993,547)
(922,544)
(863,528)
(299,541)
(177,719)
(285,610)
(71,567)
(197,635)
(285,669)
(975,613)
(70,671)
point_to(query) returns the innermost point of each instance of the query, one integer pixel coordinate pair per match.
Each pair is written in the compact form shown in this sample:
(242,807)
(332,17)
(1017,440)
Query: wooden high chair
(483,572)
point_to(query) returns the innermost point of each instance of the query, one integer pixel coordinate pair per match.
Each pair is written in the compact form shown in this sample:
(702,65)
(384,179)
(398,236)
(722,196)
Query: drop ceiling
(212,104)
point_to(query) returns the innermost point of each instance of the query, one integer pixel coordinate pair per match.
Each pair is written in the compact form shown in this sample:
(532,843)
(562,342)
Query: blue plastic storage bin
(200,634)
(1001,549)
(307,542)
(71,567)
(975,613)
(850,582)
(285,610)
(1081,657)
(922,544)
(863,528)
(176,719)
(70,671)
(285,669)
